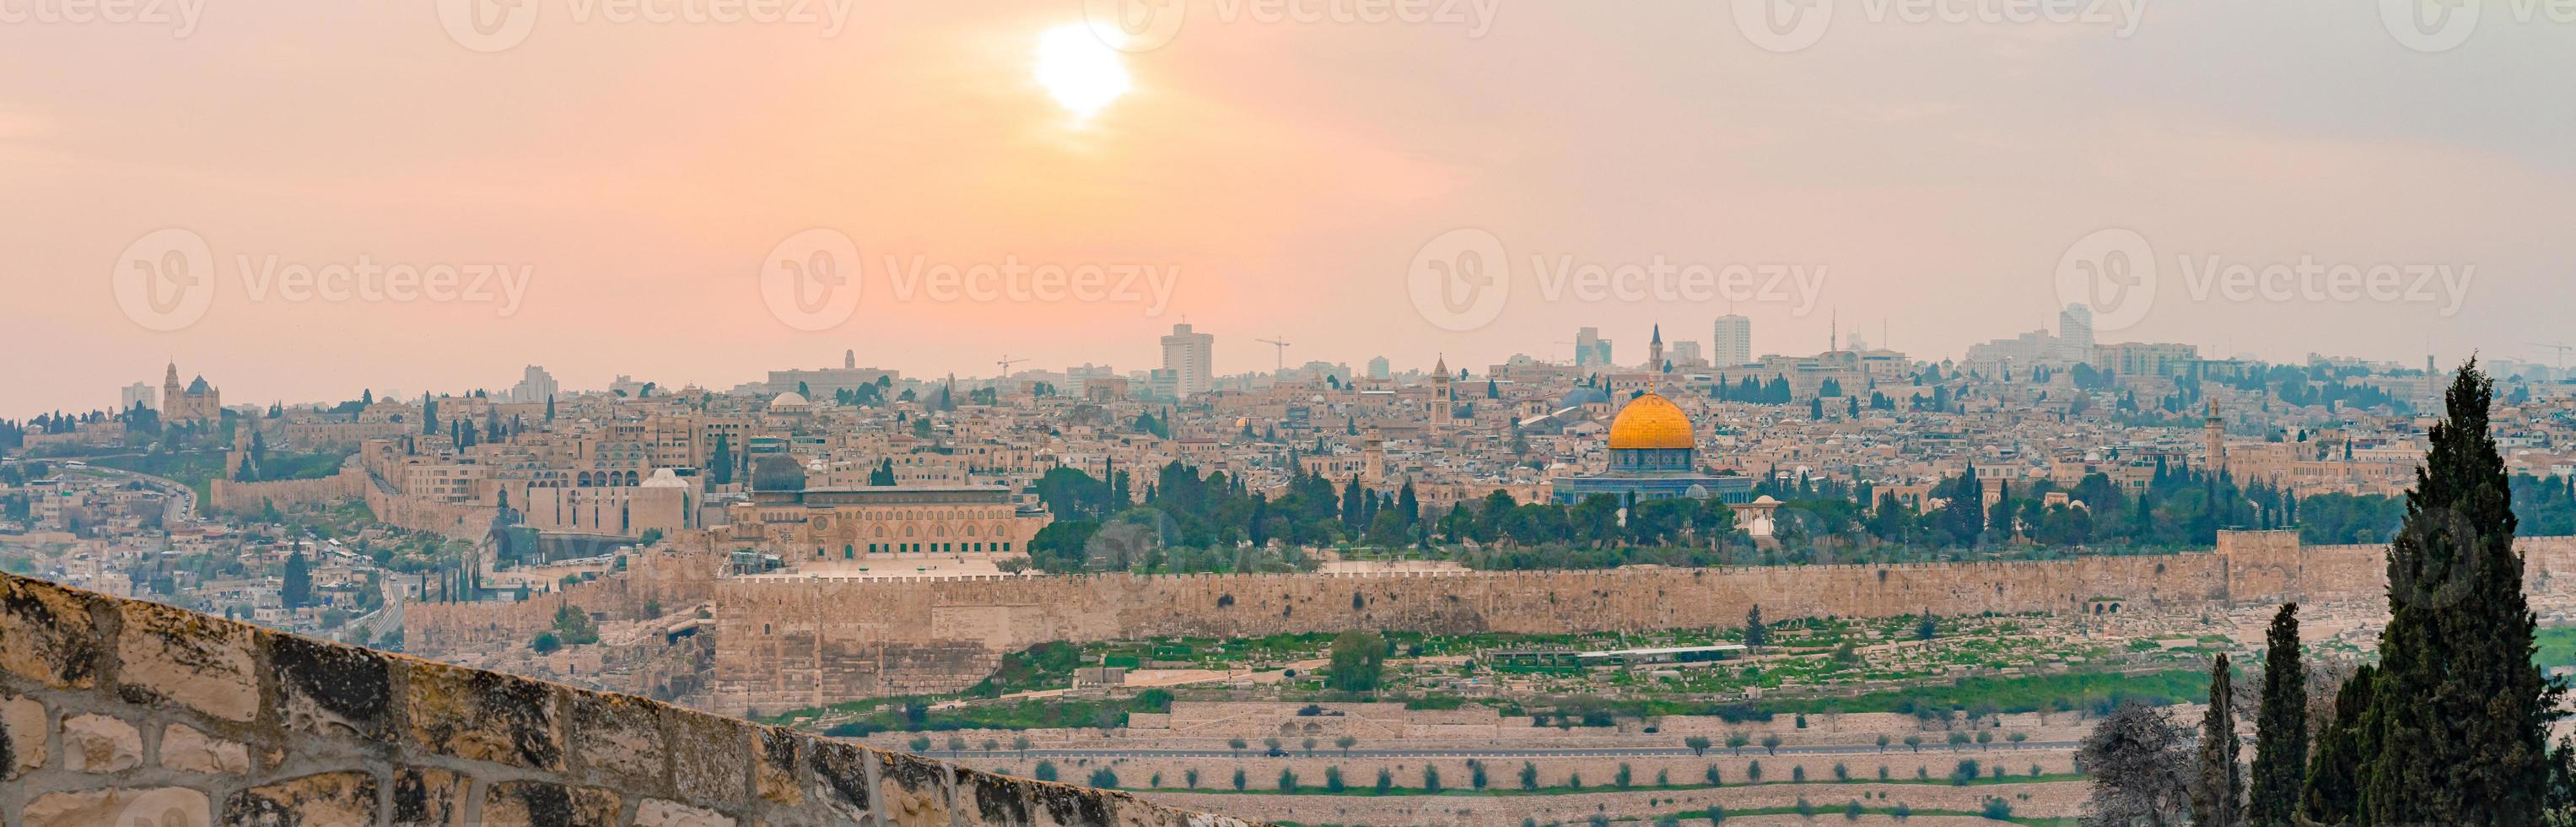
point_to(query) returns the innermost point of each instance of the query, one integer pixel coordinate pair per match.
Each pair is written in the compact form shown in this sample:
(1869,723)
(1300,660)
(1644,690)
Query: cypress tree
(2280,727)
(2333,794)
(2222,784)
(2459,711)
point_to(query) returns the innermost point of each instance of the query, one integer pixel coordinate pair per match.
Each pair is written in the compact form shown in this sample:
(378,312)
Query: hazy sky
(1283,172)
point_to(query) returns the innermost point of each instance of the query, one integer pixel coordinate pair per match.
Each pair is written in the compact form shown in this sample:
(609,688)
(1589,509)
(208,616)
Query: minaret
(1655,351)
(2214,434)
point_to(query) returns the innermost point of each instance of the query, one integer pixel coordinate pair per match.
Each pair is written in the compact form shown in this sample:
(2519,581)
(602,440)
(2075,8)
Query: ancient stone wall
(118,712)
(785,643)
(452,520)
(672,580)
(227,495)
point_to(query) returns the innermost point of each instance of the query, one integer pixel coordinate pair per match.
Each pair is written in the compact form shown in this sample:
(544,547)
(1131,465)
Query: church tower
(1655,351)
(170,391)
(1444,398)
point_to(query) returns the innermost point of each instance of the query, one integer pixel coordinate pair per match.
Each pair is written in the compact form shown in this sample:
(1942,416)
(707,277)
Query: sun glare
(1080,72)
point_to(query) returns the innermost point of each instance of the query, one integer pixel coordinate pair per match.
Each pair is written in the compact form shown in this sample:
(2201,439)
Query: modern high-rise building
(2075,333)
(1734,343)
(137,394)
(1380,368)
(1191,357)
(1590,350)
(535,385)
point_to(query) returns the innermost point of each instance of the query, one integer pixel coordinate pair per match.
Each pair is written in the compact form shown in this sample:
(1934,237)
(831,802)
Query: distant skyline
(1283,178)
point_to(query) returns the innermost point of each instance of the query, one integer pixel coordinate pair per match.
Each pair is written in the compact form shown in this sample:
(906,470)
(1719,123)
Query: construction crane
(1283,350)
(1006,362)
(2562,354)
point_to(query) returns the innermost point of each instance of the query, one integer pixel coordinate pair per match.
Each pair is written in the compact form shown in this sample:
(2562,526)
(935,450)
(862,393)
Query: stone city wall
(227,495)
(673,580)
(786,643)
(125,712)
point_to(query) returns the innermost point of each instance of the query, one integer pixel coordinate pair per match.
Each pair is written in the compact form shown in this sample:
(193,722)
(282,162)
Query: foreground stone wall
(118,712)
(785,643)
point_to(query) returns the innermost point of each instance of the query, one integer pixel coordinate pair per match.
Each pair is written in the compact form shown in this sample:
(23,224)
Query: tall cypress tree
(2280,727)
(2459,711)
(2333,794)
(2221,784)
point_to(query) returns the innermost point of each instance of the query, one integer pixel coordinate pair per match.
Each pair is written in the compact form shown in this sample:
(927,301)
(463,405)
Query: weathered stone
(773,769)
(619,736)
(169,655)
(185,749)
(655,812)
(46,634)
(912,789)
(539,804)
(483,716)
(838,777)
(329,689)
(23,729)
(331,799)
(709,759)
(428,797)
(158,807)
(98,743)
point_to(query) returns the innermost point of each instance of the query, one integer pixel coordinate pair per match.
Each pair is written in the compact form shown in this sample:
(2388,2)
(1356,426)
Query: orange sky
(640,174)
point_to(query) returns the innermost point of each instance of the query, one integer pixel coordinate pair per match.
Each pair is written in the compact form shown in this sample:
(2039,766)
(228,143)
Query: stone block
(655,812)
(838,777)
(428,797)
(185,749)
(24,727)
(913,789)
(46,634)
(540,804)
(98,743)
(170,655)
(331,799)
(329,689)
(710,759)
(483,716)
(618,736)
(773,769)
(157,807)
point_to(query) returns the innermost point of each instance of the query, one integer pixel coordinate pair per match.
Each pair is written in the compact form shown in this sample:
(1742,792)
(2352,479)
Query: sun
(1078,70)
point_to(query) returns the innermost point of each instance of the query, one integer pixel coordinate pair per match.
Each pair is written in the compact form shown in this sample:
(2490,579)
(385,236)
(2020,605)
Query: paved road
(1258,751)
(183,505)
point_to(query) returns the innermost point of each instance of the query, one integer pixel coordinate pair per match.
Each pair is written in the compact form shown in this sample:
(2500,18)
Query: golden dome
(1651,421)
